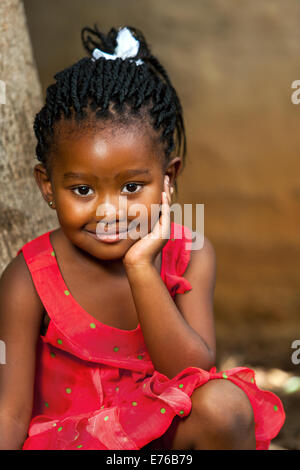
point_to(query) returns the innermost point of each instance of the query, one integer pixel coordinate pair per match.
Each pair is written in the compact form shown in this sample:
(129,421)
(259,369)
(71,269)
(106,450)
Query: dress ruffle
(117,427)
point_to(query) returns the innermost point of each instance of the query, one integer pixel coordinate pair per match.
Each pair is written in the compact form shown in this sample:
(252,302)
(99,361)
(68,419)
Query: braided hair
(118,90)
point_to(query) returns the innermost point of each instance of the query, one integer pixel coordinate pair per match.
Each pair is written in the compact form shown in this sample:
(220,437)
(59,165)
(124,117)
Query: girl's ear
(173,169)
(44,183)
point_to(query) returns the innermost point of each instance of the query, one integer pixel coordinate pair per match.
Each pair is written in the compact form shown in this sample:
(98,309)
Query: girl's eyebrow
(131,172)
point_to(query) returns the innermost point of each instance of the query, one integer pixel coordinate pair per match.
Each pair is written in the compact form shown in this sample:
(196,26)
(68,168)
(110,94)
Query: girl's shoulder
(187,258)
(37,244)
(18,295)
(192,248)
(16,283)
(201,268)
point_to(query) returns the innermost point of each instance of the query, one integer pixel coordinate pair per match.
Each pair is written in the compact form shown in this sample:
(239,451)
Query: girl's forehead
(106,150)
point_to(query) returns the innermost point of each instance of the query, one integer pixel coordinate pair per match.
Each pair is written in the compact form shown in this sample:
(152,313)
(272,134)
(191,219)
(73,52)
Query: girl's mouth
(110,238)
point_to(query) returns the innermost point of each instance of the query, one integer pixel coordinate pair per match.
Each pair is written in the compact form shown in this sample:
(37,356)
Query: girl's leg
(221,418)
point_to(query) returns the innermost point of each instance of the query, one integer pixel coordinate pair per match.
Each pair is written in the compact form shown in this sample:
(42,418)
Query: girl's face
(112,168)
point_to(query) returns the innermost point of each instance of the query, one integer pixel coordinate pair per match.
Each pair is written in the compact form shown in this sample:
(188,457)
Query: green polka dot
(59,429)
(59,341)
(54,424)
(225,376)
(52,354)
(163,410)
(134,403)
(106,418)
(67,292)
(52,253)
(140,356)
(116,349)
(68,390)
(181,412)
(102,406)
(46,404)
(180,385)
(252,380)
(117,389)
(92,325)
(275,408)
(79,447)
(173,239)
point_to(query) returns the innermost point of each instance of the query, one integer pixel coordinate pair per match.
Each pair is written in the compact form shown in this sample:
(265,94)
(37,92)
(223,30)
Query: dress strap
(176,257)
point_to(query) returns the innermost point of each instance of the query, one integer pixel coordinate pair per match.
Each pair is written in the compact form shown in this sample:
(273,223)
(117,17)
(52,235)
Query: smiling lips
(101,233)
(111,232)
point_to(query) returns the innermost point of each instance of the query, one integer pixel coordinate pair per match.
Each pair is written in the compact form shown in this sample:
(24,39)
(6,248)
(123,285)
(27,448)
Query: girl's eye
(81,188)
(132,187)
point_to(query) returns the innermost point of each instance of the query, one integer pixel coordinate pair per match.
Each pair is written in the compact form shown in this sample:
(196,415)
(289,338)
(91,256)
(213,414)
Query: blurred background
(232,64)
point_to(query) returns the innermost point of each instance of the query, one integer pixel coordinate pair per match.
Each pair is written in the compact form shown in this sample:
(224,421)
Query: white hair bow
(127,46)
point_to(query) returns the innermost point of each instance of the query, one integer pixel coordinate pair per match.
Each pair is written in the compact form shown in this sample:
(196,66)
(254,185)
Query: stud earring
(50,203)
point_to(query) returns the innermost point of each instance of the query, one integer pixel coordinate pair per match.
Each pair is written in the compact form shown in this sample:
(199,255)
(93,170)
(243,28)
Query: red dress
(96,387)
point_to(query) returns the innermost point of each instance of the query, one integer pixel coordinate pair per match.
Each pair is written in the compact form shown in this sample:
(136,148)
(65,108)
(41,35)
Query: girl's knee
(223,408)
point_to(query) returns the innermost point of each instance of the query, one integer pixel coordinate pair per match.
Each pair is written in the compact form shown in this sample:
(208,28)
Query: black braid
(96,85)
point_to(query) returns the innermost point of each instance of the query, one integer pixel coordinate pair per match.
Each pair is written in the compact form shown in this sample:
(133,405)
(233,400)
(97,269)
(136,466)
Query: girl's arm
(20,319)
(177,334)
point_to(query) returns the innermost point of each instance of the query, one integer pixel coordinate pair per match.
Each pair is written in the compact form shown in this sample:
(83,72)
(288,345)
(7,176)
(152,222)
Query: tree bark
(23,213)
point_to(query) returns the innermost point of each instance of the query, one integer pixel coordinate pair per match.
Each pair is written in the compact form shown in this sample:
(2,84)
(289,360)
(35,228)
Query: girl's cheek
(70,208)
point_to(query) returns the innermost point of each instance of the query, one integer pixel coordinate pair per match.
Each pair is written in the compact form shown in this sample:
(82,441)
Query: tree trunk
(23,212)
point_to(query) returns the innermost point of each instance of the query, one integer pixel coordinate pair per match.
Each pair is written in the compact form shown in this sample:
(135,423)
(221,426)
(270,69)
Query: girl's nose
(110,213)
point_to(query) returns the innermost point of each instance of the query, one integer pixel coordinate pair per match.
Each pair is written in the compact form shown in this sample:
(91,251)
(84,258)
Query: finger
(167,188)
(165,217)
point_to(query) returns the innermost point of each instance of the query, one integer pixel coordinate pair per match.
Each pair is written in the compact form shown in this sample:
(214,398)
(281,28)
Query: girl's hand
(145,250)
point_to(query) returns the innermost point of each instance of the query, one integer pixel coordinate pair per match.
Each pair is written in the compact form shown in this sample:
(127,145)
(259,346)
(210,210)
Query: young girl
(102,350)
